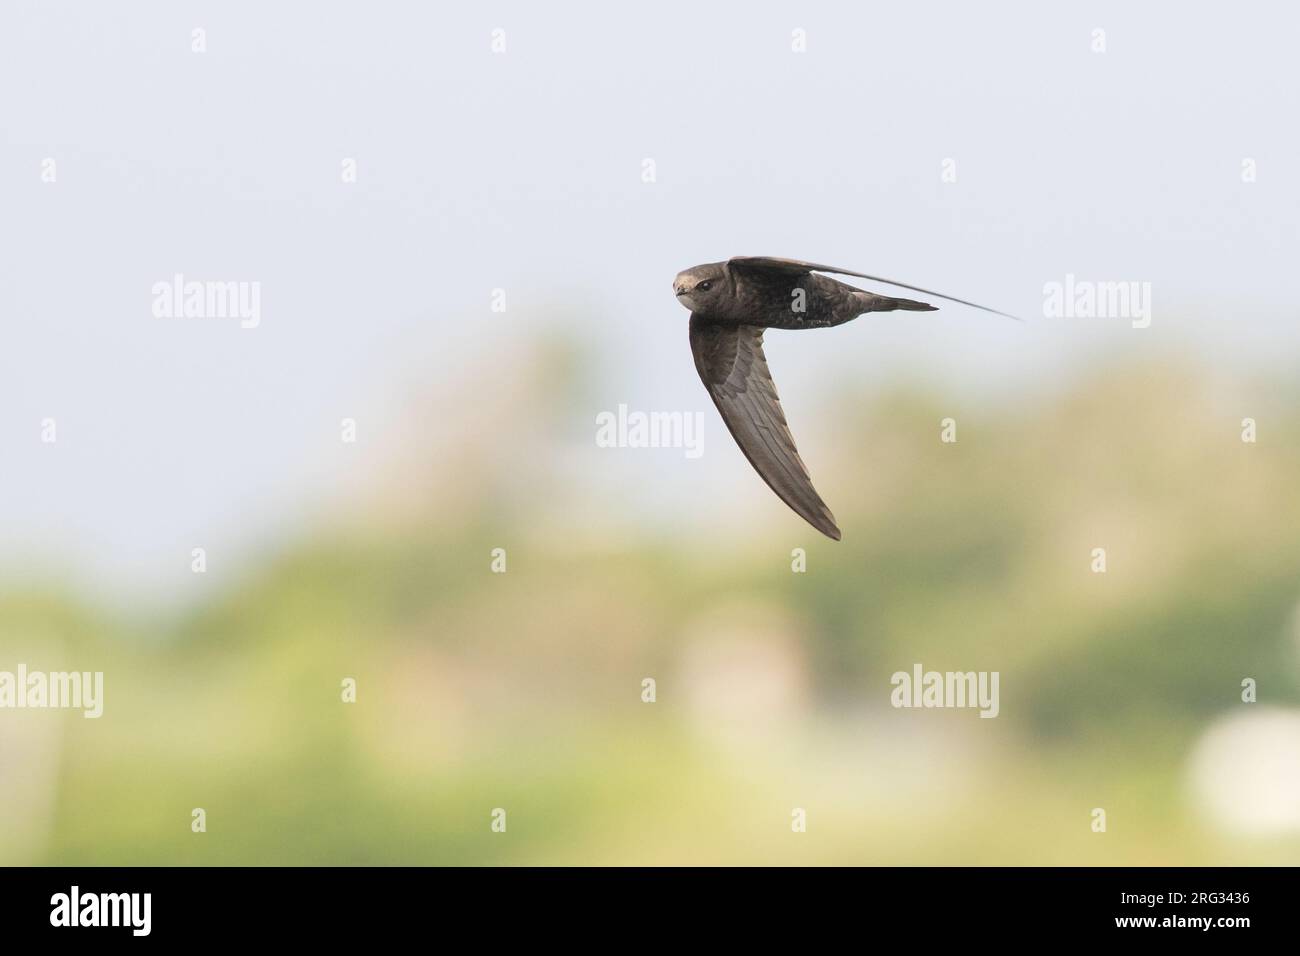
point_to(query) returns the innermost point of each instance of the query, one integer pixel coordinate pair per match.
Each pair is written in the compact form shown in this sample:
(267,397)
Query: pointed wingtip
(1005,315)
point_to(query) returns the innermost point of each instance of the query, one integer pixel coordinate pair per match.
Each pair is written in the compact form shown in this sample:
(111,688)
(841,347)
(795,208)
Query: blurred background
(501,157)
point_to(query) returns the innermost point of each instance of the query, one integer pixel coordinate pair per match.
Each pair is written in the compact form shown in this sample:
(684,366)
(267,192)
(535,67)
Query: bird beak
(680,290)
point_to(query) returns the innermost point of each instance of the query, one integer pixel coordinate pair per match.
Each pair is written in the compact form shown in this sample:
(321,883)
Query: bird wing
(795,267)
(733,368)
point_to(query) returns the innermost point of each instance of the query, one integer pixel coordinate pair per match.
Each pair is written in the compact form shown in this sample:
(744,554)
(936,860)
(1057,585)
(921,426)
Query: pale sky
(523,170)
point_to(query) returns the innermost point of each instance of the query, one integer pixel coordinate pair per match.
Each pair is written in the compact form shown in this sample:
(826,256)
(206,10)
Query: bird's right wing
(795,267)
(733,368)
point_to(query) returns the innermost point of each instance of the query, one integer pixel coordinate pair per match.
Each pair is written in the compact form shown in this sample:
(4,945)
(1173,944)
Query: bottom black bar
(328,905)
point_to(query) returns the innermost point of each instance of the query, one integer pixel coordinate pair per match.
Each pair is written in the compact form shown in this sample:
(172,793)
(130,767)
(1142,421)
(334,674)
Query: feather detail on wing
(733,368)
(797,267)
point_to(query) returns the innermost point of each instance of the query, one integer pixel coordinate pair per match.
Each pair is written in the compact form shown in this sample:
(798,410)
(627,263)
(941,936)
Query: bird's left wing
(733,368)
(795,267)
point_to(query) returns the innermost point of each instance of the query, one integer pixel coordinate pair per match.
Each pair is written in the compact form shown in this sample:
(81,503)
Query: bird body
(731,305)
(779,300)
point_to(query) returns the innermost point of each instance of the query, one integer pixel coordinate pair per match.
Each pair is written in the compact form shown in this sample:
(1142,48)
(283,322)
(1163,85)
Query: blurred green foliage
(523,690)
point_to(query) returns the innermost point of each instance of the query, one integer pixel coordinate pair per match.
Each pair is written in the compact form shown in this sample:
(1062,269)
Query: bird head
(700,287)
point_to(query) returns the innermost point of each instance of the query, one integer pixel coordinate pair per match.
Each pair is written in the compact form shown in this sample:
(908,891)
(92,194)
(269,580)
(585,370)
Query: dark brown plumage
(731,304)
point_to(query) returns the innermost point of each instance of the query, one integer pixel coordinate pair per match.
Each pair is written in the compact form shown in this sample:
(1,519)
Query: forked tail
(884,303)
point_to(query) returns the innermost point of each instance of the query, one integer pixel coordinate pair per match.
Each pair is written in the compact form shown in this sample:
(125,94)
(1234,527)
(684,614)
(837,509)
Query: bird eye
(704,286)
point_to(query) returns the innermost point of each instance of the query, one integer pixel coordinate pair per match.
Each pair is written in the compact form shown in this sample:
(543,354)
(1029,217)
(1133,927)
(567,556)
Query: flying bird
(731,305)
